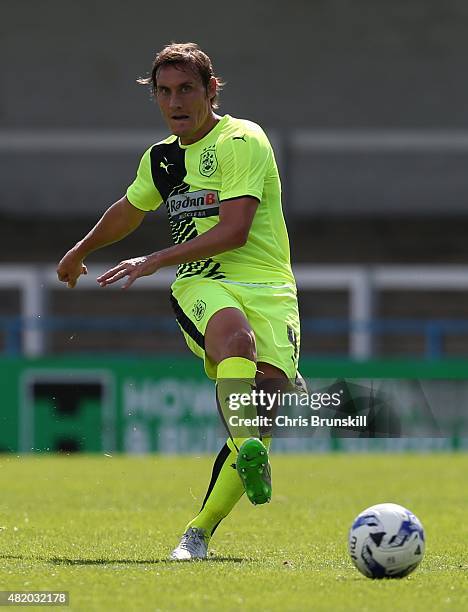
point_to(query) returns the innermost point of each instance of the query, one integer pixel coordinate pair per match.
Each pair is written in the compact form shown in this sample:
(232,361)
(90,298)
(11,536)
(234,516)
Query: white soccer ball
(386,541)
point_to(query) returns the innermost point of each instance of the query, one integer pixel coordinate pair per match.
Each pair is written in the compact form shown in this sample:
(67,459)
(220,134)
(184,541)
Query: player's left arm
(235,220)
(243,162)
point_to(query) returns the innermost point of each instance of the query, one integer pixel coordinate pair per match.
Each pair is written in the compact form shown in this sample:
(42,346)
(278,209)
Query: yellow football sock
(234,375)
(225,488)
(235,378)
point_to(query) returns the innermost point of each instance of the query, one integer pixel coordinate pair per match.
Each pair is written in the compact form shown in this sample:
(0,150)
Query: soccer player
(234,295)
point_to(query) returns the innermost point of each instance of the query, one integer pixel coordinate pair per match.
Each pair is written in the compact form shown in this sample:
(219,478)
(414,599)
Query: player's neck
(209,124)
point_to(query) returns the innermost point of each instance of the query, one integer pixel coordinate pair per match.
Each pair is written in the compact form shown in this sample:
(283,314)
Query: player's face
(185,102)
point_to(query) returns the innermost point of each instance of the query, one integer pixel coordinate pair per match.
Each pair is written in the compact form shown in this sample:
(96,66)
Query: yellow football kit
(233,160)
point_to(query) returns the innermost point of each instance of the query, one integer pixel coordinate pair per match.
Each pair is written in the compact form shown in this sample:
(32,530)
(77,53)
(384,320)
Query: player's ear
(212,87)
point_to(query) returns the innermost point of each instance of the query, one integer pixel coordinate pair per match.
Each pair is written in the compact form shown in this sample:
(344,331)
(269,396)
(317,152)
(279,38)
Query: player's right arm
(119,220)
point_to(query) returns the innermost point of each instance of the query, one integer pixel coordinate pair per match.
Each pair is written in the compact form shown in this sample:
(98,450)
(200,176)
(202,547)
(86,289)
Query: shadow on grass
(68,561)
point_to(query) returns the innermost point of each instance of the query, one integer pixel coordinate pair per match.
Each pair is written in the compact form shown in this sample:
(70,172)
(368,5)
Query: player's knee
(241,343)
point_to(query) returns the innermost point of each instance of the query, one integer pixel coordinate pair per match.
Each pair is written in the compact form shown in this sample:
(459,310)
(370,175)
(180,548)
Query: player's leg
(223,337)
(229,343)
(253,465)
(231,346)
(225,487)
(273,314)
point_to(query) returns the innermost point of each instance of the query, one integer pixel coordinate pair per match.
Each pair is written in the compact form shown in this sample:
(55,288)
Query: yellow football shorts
(271,310)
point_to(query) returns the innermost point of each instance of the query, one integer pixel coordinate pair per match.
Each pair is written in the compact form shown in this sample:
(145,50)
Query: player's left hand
(132,268)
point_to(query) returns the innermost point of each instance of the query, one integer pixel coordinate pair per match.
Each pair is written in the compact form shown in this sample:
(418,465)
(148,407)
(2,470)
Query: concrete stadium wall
(336,64)
(333,63)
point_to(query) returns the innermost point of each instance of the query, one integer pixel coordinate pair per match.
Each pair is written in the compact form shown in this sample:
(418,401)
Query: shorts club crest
(199,309)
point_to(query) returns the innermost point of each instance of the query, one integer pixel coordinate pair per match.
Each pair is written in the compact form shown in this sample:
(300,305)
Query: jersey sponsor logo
(208,161)
(202,203)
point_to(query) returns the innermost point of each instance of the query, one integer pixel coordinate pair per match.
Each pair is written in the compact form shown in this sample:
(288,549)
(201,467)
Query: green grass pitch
(102,527)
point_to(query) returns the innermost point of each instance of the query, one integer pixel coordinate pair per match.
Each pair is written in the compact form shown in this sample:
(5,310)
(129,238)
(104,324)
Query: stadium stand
(371,139)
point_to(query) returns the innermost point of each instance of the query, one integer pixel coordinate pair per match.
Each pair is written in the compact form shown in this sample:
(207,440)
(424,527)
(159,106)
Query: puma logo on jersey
(239,138)
(165,165)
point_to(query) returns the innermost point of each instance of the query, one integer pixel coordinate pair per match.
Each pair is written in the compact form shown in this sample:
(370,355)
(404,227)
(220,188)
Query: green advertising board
(166,404)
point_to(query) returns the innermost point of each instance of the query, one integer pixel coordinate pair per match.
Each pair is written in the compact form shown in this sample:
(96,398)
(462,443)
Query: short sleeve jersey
(233,160)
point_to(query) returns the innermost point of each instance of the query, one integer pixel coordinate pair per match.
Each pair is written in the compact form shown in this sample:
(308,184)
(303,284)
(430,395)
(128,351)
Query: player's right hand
(70,268)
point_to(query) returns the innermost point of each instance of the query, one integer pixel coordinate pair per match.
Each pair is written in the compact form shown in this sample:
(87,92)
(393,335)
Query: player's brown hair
(186,54)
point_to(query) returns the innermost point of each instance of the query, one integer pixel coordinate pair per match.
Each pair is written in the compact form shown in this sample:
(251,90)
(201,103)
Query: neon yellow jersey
(234,159)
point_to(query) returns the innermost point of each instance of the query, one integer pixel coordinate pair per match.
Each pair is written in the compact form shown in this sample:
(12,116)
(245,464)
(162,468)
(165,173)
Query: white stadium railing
(363,284)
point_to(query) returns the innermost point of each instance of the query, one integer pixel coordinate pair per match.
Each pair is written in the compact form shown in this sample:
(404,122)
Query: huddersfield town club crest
(208,161)
(198,309)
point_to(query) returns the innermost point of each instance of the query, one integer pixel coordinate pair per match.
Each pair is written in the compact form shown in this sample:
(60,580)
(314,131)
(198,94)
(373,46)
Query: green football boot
(254,470)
